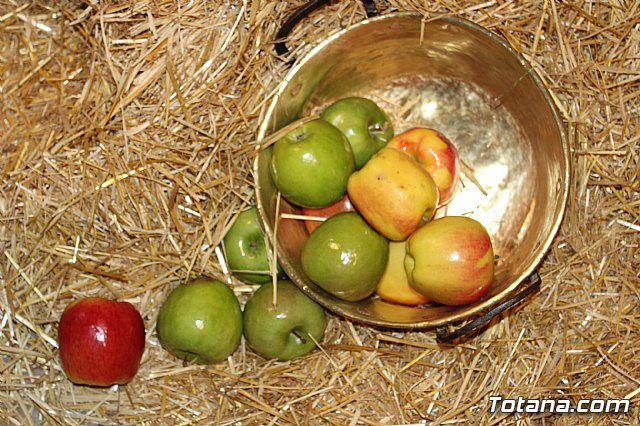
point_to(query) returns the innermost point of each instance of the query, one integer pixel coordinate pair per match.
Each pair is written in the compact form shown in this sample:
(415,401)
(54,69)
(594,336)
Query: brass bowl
(468,83)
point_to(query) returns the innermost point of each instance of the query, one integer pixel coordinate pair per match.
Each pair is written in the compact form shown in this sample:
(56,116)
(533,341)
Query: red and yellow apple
(101,341)
(394,285)
(450,260)
(436,154)
(393,193)
(342,205)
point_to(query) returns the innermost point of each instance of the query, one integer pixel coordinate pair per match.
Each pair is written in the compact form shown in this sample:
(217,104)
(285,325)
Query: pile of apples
(379,193)
(101,341)
(376,194)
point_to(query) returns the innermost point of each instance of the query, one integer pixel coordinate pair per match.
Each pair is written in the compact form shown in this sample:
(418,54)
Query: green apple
(310,165)
(450,260)
(364,123)
(282,331)
(393,193)
(246,249)
(345,256)
(200,321)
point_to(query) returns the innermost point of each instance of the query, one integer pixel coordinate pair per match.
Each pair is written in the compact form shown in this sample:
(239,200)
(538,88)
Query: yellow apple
(393,193)
(394,285)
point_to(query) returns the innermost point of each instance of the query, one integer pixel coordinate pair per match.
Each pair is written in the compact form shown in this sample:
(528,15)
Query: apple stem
(300,336)
(376,129)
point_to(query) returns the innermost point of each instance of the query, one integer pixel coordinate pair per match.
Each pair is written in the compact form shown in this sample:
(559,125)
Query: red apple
(436,154)
(450,260)
(342,205)
(101,341)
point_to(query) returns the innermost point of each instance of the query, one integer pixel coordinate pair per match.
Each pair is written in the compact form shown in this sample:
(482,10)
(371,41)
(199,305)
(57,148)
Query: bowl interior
(466,82)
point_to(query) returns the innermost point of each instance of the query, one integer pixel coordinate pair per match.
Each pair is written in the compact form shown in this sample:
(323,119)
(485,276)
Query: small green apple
(450,260)
(310,165)
(345,256)
(363,122)
(281,331)
(200,321)
(246,249)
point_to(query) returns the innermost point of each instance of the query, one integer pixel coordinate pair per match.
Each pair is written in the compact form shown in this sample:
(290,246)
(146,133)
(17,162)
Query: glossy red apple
(100,341)
(342,205)
(436,154)
(450,260)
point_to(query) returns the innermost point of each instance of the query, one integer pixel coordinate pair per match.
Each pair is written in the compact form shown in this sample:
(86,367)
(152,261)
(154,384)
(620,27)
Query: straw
(127,136)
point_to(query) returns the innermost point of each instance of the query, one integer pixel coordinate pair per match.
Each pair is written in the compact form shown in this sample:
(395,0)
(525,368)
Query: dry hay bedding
(127,134)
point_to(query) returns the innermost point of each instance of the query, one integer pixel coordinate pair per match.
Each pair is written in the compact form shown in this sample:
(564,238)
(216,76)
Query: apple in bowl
(311,163)
(393,193)
(450,260)
(345,257)
(367,127)
(342,205)
(436,153)
(394,285)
